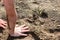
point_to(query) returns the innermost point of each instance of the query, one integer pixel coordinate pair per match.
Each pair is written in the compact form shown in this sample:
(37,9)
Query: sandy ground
(42,16)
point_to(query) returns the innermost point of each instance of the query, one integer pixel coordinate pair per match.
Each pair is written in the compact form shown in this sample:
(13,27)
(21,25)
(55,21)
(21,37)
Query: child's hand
(3,24)
(20,30)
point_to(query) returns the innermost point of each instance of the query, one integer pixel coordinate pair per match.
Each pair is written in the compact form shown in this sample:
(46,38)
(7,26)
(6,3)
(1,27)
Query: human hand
(3,23)
(20,30)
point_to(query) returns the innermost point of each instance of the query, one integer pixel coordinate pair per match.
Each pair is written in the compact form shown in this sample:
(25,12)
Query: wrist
(11,32)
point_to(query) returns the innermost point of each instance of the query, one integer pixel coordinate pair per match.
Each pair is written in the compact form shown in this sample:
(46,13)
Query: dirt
(42,16)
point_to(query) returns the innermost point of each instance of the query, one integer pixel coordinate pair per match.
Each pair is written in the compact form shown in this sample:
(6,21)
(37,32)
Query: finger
(2,26)
(15,35)
(25,28)
(21,34)
(23,25)
(5,22)
(25,31)
(17,25)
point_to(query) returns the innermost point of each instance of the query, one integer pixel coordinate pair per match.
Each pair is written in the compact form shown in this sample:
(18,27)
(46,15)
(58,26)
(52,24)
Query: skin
(18,30)
(11,14)
(3,23)
(14,30)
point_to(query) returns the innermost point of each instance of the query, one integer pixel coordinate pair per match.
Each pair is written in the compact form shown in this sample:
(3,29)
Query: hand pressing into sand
(3,23)
(20,30)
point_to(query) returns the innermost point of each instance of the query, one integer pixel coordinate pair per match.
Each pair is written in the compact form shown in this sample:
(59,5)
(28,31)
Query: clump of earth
(41,16)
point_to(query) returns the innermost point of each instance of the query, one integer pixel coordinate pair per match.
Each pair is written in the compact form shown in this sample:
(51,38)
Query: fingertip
(24,35)
(4,27)
(17,25)
(25,28)
(25,31)
(24,24)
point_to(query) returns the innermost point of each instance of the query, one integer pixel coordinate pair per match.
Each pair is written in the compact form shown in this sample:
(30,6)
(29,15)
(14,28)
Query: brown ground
(42,16)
